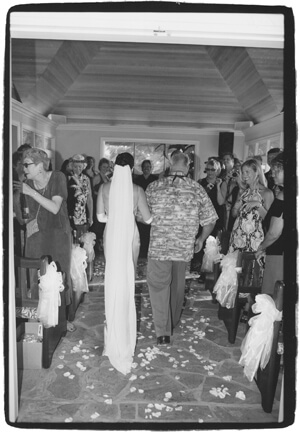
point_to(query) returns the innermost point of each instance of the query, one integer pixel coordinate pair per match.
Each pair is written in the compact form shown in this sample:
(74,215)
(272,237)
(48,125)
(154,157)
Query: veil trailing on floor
(120,312)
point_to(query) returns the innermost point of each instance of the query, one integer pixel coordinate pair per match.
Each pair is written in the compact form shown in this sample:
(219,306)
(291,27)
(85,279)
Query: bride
(119,202)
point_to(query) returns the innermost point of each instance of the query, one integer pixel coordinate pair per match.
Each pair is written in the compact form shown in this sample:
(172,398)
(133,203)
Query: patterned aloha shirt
(178,205)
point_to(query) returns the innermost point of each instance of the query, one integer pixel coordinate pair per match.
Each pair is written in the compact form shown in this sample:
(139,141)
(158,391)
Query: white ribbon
(257,344)
(226,286)
(77,269)
(89,239)
(51,283)
(211,254)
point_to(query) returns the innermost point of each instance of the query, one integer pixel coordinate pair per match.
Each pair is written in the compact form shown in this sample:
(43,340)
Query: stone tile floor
(195,380)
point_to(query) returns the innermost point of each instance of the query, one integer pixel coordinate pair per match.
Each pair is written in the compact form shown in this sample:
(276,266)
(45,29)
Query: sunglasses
(26,164)
(210,169)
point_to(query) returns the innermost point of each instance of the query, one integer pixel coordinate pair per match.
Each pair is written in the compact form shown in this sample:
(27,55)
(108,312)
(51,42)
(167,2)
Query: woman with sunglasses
(48,228)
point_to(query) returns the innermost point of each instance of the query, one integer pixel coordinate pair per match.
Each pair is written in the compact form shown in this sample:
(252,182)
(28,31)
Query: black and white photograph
(149,240)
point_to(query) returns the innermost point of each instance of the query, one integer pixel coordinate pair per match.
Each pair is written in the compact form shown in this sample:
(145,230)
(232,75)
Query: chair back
(27,280)
(251,275)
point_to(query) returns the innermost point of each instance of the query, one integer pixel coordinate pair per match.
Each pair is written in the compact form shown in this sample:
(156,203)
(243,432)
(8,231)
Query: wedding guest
(272,247)
(48,228)
(99,179)
(144,180)
(80,201)
(272,153)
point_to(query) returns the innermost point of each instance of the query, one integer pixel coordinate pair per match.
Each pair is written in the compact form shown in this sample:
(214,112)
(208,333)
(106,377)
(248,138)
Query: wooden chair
(249,281)
(210,280)
(27,295)
(267,378)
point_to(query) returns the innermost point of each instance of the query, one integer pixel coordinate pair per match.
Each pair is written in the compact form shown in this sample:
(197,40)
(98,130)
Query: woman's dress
(121,249)
(212,192)
(247,233)
(78,191)
(54,235)
(274,253)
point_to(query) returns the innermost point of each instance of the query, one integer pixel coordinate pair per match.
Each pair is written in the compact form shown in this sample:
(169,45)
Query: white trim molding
(226,29)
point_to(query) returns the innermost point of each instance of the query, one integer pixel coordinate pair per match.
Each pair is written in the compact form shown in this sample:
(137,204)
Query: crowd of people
(166,218)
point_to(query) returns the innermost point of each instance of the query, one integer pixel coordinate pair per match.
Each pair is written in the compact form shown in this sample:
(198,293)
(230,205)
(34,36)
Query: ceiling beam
(68,63)
(241,76)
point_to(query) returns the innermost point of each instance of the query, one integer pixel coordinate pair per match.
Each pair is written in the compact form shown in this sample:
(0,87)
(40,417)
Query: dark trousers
(144,231)
(166,282)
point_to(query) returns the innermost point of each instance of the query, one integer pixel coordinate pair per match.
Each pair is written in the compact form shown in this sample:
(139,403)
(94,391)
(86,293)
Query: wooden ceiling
(144,84)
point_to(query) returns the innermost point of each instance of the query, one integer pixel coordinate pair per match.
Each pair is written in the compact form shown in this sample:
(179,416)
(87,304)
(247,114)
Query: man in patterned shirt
(178,205)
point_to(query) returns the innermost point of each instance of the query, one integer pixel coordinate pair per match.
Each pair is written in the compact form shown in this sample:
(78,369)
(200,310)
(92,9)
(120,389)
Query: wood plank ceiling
(144,84)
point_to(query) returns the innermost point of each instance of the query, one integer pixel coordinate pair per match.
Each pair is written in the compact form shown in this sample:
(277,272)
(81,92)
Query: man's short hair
(180,158)
(274,150)
(146,161)
(231,155)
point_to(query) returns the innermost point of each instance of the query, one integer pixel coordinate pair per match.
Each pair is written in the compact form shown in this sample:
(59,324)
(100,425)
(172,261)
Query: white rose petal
(71,376)
(61,356)
(240,395)
(178,408)
(95,415)
(60,366)
(141,391)
(67,373)
(108,401)
(70,419)
(133,377)
(132,389)
(227,378)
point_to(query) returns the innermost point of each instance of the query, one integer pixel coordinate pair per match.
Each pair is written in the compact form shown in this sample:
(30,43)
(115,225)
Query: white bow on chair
(257,344)
(51,283)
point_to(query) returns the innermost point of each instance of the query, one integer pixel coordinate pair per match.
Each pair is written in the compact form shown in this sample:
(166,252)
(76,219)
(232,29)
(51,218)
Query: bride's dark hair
(125,159)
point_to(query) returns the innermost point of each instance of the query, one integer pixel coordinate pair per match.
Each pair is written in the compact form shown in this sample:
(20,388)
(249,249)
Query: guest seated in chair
(48,229)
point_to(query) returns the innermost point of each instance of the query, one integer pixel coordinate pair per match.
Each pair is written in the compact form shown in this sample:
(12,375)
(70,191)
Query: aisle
(197,379)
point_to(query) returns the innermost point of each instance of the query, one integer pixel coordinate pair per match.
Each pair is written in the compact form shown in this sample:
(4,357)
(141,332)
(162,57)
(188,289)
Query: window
(157,153)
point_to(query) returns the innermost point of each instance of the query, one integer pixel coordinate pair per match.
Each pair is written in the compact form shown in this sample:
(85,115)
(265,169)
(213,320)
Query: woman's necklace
(43,182)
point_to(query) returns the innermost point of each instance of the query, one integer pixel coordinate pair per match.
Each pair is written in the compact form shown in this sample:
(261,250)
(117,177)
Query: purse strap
(40,203)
